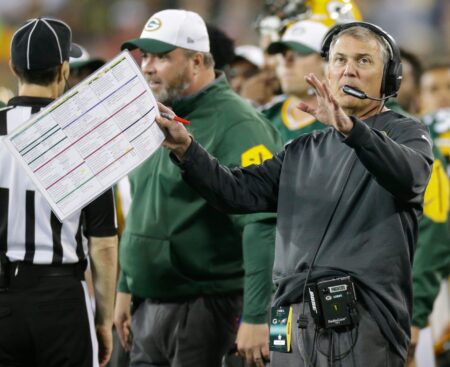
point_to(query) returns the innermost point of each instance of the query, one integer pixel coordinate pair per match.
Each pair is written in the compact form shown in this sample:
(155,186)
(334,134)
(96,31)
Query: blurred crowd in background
(422,26)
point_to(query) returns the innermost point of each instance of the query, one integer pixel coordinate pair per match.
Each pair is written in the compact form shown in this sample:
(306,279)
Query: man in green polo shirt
(188,261)
(299,55)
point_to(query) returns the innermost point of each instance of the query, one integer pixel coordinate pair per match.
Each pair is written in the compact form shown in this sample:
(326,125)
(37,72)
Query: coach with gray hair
(348,199)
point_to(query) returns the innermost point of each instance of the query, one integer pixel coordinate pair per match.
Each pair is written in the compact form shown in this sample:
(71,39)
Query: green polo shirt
(175,245)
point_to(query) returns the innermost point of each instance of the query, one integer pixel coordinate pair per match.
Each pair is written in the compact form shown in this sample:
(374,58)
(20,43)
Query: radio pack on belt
(333,302)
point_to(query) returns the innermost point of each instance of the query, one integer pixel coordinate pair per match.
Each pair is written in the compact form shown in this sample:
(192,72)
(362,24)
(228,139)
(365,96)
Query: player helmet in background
(278,15)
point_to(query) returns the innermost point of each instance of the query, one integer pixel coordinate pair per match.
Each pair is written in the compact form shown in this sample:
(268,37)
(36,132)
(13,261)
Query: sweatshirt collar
(29,101)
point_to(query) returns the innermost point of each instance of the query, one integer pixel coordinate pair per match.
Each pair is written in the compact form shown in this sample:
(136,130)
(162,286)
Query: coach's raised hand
(178,139)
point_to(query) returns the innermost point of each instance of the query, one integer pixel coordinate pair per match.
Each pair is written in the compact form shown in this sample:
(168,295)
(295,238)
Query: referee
(46,317)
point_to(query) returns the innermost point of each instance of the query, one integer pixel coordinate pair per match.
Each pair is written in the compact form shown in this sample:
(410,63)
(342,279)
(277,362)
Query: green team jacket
(432,257)
(280,113)
(176,246)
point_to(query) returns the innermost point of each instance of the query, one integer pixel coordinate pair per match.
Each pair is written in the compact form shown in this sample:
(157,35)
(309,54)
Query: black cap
(42,43)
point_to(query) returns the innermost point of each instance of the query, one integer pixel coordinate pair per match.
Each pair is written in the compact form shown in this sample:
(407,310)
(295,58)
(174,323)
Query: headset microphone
(355,92)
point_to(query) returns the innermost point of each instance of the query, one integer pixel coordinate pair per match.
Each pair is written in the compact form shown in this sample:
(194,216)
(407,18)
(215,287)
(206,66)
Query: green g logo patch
(153,24)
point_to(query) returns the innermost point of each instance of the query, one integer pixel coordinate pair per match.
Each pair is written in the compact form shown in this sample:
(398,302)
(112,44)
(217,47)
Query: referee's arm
(103,254)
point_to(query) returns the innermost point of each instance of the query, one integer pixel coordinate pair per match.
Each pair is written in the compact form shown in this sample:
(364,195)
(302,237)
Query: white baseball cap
(84,60)
(253,54)
(304,37)
(168,29)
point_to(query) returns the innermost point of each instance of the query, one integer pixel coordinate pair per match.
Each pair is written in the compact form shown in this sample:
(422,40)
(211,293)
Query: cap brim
(75,50)
(148,45)
(281,46)
(93,63)
(242,58)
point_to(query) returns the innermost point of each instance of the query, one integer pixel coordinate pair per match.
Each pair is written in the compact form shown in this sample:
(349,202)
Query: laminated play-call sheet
(85,141)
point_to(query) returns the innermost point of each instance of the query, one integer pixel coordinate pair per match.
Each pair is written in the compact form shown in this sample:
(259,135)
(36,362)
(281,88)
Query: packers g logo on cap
(299,30)
(153,24)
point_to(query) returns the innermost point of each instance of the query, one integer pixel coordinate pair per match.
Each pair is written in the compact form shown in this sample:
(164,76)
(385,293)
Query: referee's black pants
(46,322)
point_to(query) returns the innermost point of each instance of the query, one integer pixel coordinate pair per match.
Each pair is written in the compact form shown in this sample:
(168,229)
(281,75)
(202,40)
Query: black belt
(23,275)
(47,270)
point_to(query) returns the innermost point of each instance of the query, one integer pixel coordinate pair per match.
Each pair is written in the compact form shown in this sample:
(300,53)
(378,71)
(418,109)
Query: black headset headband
(393,69)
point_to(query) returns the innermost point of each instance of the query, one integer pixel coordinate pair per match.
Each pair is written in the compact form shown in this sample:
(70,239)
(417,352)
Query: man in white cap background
(83,66)
(251,77)
(248,61)
(46,317)
(299,55)
(190,263)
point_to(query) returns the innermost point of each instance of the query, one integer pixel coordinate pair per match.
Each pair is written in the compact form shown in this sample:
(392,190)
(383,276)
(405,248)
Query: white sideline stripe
(90,313)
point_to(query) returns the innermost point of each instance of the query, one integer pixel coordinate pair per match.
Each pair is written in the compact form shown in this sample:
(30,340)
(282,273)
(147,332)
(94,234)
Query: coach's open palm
(328,110)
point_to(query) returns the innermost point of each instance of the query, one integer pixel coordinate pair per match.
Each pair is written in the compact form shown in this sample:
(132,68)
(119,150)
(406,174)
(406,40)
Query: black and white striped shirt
(29,231)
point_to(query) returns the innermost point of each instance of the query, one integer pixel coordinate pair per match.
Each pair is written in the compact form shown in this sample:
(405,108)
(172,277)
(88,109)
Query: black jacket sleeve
(399,157)
(234,191)
(99,217)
